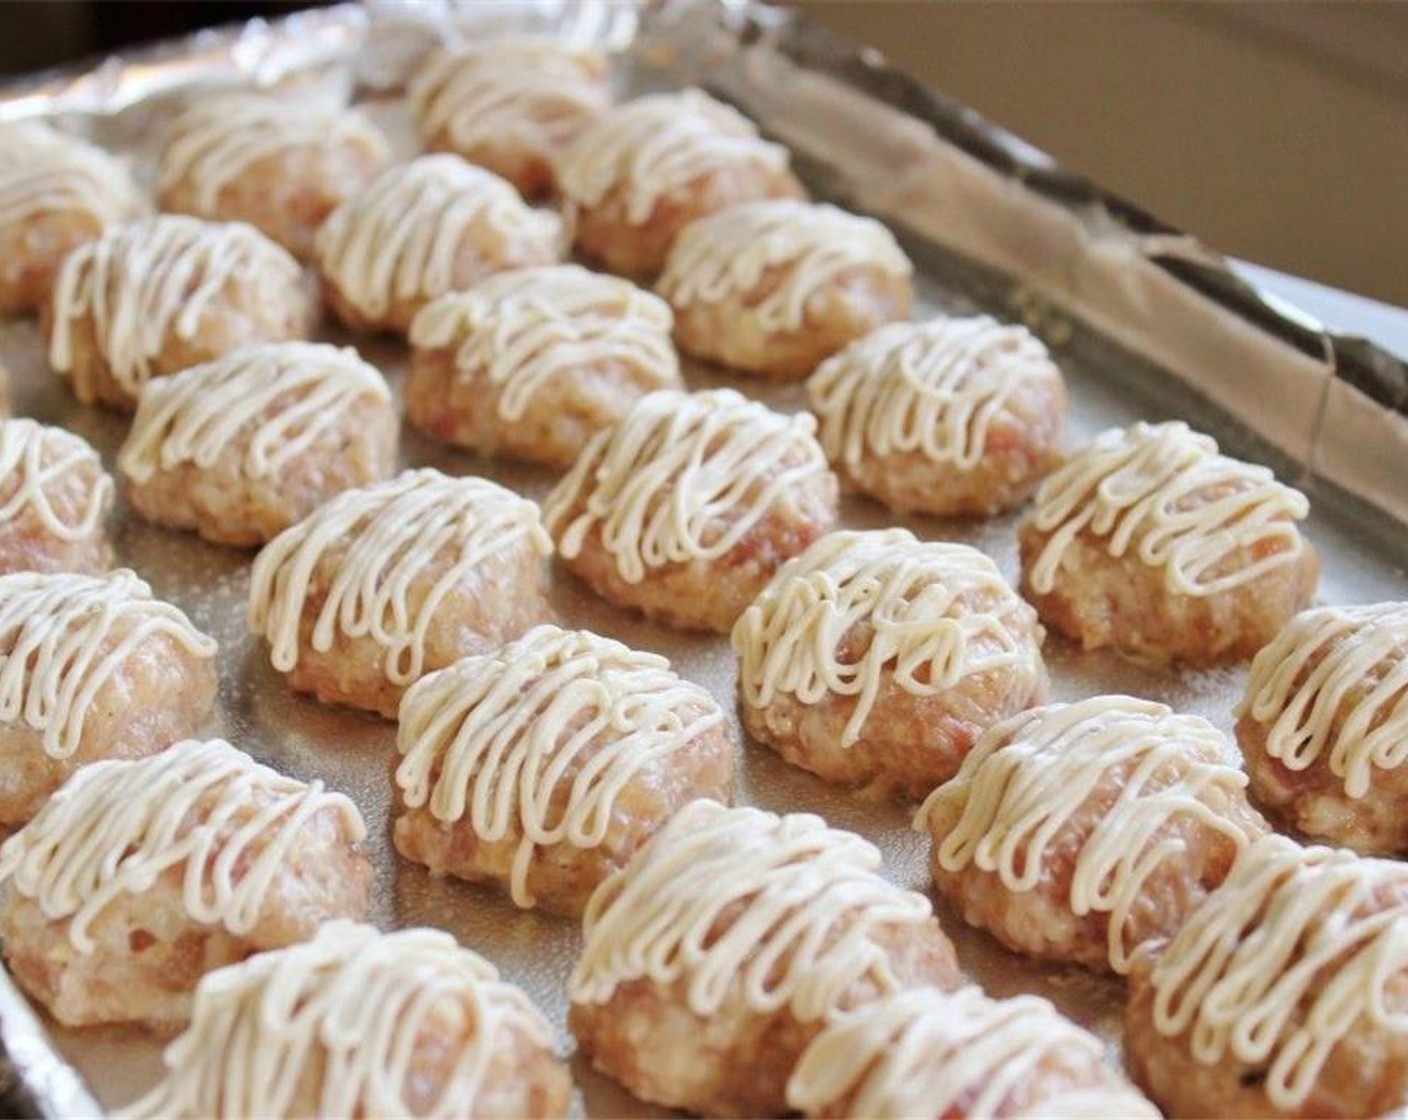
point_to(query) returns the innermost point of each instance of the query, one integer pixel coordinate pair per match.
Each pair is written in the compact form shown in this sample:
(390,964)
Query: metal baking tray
(1146,325)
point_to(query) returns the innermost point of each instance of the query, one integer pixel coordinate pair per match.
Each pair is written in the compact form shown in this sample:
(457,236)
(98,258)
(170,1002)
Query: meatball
(357,1022)
(91,668)
(953,417)
(875,660)
(56,192)
(243,447)
(952,1056)
(434,225)
(1286,997)
(725,946)
(139,876)
(55,499)
(1323,726)
(250,157)
(151,298)
(1077,832)
(646,169)
(1153,544)
(385,583)
(533,363)
(510,105)
(774,287)
(686,508)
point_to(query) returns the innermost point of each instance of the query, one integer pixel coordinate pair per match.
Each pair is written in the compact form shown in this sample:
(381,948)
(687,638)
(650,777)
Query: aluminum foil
(744,52)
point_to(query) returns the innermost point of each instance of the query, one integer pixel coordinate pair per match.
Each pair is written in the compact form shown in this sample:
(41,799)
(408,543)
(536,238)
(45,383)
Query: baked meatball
(251,157)
(431,226)
(56,192)
(1323,726)
(385,583)
(533,363)
(953,417)
(773,287)
(139,876)
(875,660)
(55,499)
(544,766)
(243,447)
(510,104)
(686,508)
(956,1056)
(1286,996)
(151,298)
(357,1022)
(1151,543)
(726,945)
(644,170)
(1077,832)
(90,668)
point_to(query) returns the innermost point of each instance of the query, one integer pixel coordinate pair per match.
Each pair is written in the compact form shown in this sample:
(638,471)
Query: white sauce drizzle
(387,535)
(46,171)
(117,825)
(1028,777)
(799,884)
(1186,508)
(685,476)
(353,1003)
(554,709)
(37,459)
(915,596)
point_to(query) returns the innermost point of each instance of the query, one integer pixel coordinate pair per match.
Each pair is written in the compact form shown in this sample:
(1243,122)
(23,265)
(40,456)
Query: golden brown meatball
(1285,997)
(685,509)
(544,766)
(1151,543)
(151,298)
(251,157)
(243,447)
(727,944)
(55,499)
(532,363)
(1077,832)
(91,668)
(774,287)
(646,169)
(953,417)
(139,876)
(434,225)
(875,660)
(510,105)
(385,583)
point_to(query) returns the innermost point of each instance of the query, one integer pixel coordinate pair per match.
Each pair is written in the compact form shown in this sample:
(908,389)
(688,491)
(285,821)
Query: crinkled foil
(831,103)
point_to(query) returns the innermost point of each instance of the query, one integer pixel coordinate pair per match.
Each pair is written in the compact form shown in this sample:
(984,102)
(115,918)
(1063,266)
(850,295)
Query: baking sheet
(1363,557)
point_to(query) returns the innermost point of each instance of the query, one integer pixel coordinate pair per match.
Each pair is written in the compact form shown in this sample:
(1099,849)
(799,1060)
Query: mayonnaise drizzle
(1186,509)
(1292,954)
(37,459)
(114,827)
(657,145)
(1028,778)
(526,328)
(63,637)
(1335,682)
(810,901)
(499,738)
(401,237)
(384,536)
(927,633)
(685,476)
(728,255)
(198,415)
(930,388)
(43,170)
(354,1006)
(144,282)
